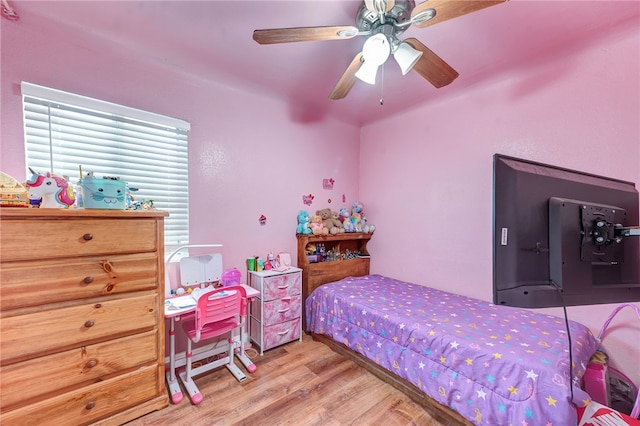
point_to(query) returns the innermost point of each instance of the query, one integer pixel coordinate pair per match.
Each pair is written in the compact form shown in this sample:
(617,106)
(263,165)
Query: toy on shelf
(317,227)
(331,223)
(345,217)
(334,223)
(304,222)
(53,191)
(359,220)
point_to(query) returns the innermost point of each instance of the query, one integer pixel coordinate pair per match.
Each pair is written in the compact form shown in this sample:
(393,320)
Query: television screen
(557,239)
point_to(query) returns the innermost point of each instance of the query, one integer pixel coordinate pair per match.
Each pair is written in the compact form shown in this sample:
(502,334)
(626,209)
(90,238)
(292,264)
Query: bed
(465,360)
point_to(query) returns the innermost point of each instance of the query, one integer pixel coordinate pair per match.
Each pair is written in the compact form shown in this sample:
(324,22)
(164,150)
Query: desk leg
(242,356)
(172,380)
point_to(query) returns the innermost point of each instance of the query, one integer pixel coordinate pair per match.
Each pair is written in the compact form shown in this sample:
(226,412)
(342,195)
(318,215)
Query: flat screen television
(561,236)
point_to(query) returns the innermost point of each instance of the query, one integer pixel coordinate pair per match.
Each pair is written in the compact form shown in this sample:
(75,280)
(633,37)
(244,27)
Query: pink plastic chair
(218,312)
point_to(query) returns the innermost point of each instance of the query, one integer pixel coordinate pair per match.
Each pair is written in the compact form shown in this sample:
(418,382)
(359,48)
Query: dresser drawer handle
(281,311)
(90,405)
(91,363)
(87,237)
(88,280)
(89,323)
(282,287)
(282,333)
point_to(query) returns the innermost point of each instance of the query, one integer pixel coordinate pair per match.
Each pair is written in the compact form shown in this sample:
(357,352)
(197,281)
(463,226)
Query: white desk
(185,306)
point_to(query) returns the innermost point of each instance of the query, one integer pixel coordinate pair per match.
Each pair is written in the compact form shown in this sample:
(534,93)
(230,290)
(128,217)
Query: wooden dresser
(82,328)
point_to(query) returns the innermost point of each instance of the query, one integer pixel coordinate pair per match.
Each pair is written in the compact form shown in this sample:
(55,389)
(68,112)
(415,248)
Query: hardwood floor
(300,383)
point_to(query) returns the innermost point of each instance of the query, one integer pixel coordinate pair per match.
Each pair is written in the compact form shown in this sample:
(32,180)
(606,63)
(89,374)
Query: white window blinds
(147,150)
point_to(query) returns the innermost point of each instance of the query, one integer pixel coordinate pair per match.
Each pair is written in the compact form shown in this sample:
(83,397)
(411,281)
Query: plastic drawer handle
(281,333)
(280,311)
(283,287)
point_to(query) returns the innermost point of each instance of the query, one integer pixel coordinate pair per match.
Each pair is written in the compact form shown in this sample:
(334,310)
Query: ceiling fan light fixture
(406,57)
(375,52)
(376,49)
(367,73)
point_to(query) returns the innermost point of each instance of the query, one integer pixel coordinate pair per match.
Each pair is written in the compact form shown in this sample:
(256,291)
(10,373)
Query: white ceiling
(213,40)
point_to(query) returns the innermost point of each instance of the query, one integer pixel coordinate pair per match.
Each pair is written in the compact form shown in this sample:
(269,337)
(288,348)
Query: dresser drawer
(280,286)
(24,336)
(50,238)
(278,310)
(275,335)
(72,279)
(84,365)
(88,404)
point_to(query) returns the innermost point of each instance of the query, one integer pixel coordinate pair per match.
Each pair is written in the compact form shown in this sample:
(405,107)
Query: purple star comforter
(495,365)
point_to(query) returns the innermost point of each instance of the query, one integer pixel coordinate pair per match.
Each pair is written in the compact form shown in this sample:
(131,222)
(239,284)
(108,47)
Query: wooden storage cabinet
(82,330)
(316,274)
(275,314)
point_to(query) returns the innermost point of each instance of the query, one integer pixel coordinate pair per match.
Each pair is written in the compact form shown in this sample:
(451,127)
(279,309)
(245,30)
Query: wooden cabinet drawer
(88,404)
(23,336)
(50,238)
(84,365)
(280,286)
(325,272)
(78,278)
(278,310)
(277,334)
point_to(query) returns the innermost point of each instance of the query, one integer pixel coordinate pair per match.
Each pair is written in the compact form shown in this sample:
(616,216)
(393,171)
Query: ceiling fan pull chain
(382,86)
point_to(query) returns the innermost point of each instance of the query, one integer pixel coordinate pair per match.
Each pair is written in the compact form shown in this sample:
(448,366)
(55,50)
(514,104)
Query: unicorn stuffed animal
(53,191)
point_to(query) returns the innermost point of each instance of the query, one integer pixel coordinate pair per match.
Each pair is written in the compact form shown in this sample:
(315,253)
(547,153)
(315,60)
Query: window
(149,151)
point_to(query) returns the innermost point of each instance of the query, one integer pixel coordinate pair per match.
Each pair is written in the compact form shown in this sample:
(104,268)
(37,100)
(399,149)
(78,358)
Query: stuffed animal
(303,223)
(359,220)
(332,225)
(317,227)
(336,219)
(345,218)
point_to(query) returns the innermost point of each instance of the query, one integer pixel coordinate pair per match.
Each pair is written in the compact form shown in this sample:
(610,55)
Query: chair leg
(189,356)
(242,356)
(190,385)
(231,366)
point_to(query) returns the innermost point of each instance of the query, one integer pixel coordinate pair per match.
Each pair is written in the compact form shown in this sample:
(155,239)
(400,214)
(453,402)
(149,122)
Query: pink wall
(248,156)
(433,208)
(251,156)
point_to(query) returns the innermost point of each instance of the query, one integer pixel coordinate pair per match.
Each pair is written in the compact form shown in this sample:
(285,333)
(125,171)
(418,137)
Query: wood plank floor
(300,383)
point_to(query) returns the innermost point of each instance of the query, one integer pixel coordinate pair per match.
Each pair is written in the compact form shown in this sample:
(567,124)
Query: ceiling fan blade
(430,66)
(379,6)
(347,80)
(448,9)
(289,35)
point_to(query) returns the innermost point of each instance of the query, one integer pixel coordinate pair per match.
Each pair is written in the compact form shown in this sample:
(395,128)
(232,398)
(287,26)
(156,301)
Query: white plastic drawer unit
(275,315)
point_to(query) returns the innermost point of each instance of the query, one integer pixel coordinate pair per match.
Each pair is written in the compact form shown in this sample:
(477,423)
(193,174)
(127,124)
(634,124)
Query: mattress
(495,365)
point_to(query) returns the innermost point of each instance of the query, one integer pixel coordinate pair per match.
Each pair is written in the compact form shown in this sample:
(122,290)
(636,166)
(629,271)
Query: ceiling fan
(382,21)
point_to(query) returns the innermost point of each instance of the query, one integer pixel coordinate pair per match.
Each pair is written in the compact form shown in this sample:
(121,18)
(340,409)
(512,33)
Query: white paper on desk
(180,302)
(197,292)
